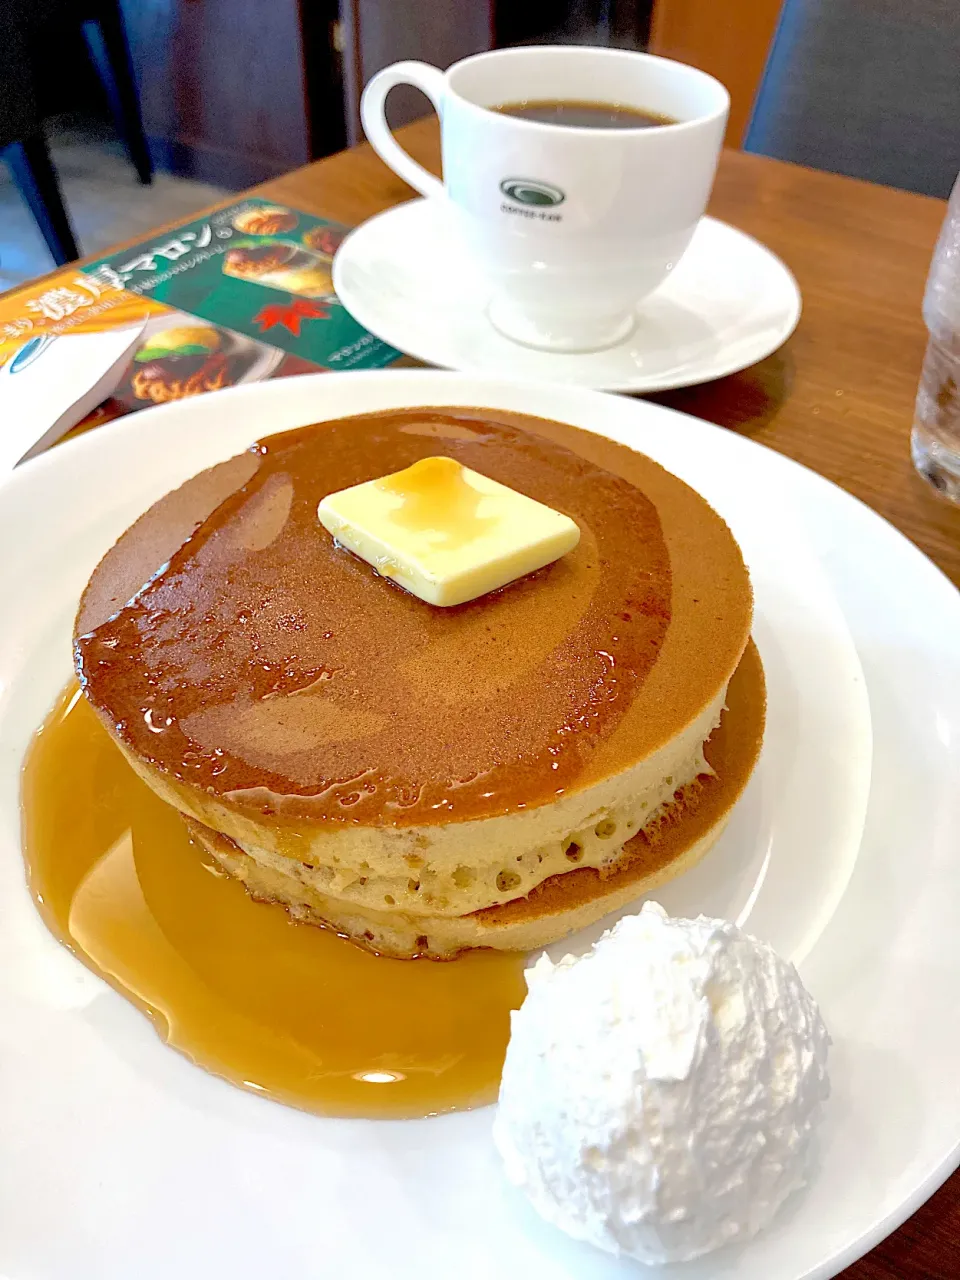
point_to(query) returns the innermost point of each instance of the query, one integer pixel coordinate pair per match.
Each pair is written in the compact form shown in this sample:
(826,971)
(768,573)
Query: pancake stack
(428,780)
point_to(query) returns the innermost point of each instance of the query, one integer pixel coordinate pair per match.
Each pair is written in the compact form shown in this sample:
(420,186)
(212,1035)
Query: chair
(24,26)
(868,88)
(22,143)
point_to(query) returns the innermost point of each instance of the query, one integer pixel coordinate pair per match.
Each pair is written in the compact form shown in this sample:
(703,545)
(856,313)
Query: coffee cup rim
(551,50)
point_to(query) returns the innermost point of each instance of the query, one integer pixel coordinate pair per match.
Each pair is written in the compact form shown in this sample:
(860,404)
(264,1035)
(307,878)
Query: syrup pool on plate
(287,1010)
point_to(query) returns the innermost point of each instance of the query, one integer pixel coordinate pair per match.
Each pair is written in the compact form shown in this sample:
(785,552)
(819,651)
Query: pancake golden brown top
(229,642)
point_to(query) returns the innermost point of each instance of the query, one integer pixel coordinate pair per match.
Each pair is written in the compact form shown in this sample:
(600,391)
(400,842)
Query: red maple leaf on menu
(290,314)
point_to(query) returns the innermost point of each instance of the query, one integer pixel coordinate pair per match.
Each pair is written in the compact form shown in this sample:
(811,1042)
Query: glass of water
(936,422)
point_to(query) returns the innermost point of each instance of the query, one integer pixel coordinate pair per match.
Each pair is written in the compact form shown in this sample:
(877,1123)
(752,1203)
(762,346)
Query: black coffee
(585,115)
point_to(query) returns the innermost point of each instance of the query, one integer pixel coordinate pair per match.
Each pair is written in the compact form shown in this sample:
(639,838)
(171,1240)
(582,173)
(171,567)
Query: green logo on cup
(528,191)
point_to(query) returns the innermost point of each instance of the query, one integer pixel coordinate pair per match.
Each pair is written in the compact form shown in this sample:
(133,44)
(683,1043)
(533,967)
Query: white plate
(120,1159)
(729,303)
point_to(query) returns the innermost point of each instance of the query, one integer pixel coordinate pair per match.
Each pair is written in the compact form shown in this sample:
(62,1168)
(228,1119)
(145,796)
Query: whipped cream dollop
(660,1092)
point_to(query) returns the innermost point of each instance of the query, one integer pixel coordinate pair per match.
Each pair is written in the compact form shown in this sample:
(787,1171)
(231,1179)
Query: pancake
(401,762)
(673,842)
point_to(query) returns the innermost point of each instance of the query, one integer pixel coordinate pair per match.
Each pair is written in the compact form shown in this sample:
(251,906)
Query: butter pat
(445,533)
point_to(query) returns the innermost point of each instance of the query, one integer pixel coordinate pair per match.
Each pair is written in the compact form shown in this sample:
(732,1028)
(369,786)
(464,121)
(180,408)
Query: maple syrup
(435,495)
(287,1010)
(201,623)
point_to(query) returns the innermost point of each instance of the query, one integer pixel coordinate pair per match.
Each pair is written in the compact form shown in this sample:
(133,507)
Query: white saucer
(729,303)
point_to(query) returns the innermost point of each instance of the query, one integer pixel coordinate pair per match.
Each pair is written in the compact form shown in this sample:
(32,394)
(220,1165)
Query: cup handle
(429,81)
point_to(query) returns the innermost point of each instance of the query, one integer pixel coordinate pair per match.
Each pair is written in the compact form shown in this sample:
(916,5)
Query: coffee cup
(571,226)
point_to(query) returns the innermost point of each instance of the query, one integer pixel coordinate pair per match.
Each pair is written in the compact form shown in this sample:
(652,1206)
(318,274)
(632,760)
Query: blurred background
(149,109)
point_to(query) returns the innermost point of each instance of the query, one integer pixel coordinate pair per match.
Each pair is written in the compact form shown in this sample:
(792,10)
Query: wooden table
(838,398)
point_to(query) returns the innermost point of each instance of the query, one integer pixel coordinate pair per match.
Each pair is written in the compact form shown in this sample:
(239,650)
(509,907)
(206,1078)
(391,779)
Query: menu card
(241,295)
